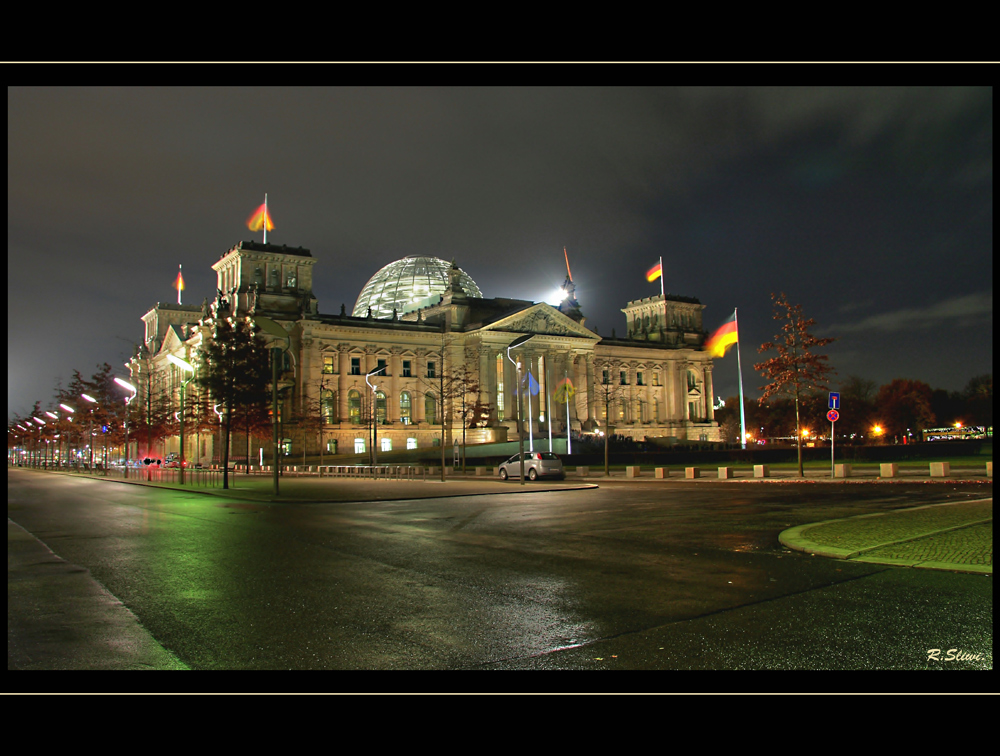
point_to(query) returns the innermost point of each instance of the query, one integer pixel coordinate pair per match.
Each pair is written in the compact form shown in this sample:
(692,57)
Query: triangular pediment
(172,340)
(541,318)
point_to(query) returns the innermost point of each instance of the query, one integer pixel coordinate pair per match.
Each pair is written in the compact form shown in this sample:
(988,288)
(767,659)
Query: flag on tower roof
(260,219)
(179,284)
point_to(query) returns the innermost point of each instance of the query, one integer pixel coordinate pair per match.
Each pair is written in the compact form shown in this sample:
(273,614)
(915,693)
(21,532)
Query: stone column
(568,368)
(672,405)
(484,381)
(682,374)
(647,394)
(709,392)
(590,411)
(531,363)
(305,377)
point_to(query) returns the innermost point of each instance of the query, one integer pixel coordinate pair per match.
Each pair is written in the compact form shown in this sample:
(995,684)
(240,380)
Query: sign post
(832,416)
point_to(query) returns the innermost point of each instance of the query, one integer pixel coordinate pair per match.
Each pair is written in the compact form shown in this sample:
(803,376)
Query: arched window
(380,407)
(430,408)
(405,407)
(354,406)
(329,408)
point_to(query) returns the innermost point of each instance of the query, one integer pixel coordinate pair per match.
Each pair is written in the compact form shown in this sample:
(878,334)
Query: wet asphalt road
(621,577)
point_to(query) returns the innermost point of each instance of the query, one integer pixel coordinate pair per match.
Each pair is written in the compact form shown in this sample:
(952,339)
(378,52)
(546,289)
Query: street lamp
(40,423)
(90,439)
(374,413)
(274,328)
(128,386)
(71,411)
(520,409)
(183,365)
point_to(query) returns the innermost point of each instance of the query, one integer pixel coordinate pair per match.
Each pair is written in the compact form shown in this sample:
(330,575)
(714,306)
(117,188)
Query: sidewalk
(293,488)
(955,536)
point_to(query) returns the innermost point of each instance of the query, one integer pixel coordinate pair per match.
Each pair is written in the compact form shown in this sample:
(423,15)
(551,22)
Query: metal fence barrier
(196,477)
(374,472)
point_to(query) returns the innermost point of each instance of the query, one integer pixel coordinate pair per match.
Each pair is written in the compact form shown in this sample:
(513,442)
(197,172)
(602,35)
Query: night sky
(871,207)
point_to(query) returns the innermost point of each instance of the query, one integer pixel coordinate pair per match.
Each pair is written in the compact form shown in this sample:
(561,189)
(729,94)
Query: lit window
(359,446)
(411,443)
(329,407)
(404,407)
(354,407)
(386,444)
(327,364)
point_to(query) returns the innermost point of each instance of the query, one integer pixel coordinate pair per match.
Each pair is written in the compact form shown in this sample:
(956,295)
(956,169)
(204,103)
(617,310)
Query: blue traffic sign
(834,400)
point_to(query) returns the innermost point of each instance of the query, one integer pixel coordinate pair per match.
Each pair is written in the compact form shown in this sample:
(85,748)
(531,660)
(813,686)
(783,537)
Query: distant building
(419,316)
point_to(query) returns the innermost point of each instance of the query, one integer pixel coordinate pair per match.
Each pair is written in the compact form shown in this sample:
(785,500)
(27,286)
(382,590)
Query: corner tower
(266,278)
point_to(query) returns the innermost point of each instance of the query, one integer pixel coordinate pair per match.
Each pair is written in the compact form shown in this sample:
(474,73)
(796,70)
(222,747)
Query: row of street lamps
(276,330)
(71,410)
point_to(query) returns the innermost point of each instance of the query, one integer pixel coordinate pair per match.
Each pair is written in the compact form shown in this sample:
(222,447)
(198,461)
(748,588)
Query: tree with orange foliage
(796,369)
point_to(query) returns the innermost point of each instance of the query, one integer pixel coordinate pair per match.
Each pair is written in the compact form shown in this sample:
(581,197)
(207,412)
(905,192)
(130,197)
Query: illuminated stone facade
(656,382)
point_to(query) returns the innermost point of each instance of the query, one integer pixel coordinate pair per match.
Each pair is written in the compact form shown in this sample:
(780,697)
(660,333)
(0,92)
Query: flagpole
(531,437)
(180,282)
(548,403)
(664,296)
(739,364)
(569,440)
(265,217)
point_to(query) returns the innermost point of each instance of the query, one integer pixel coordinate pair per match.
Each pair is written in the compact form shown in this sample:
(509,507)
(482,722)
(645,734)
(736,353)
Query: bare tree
(609,392)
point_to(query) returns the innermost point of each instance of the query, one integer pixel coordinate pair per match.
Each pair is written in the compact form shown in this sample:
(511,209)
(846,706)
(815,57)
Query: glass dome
(407,285)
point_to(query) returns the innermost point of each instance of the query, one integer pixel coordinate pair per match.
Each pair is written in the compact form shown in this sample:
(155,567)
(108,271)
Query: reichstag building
(420,320)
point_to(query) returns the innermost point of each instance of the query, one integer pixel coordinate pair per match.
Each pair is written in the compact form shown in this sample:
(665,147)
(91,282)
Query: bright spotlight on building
(556,297)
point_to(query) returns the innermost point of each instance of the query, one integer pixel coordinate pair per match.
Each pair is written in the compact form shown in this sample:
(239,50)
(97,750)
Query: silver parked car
(536,465)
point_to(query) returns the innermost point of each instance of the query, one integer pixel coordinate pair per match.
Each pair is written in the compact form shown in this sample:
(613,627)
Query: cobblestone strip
(971,545)
(870,531)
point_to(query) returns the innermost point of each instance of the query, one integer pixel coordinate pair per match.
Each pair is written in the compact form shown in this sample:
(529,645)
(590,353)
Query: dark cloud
(870,206)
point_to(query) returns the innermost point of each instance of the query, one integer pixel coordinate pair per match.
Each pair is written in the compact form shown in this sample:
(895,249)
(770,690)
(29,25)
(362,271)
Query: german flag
(723,338)
(261,218)
(655,272)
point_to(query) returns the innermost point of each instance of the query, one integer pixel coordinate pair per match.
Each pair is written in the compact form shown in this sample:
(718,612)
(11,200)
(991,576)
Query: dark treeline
(868,413)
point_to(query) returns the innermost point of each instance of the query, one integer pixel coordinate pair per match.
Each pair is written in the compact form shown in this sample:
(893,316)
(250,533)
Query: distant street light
(69,449)
(520,409)
(128,386)
(374,454)
(90,439)
(183,365)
